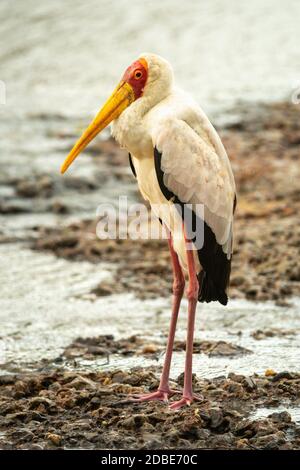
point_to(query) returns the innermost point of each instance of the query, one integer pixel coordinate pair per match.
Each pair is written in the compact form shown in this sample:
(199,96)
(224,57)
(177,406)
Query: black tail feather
(208,291)
(214,279)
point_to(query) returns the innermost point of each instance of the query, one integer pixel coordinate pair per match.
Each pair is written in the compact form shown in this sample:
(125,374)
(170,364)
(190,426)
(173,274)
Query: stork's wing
(193,171)
(189,169)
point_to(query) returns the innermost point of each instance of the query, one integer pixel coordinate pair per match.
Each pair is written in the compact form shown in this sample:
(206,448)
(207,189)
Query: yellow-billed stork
(178,159)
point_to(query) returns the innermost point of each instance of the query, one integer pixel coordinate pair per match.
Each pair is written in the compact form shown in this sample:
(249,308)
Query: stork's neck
(130,129)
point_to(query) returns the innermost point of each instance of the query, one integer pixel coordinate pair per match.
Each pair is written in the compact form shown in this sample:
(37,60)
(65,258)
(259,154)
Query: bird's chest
(132,134)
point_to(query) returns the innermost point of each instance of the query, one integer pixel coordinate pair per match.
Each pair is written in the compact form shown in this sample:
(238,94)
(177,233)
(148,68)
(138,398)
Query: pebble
(55,439)
(270,373)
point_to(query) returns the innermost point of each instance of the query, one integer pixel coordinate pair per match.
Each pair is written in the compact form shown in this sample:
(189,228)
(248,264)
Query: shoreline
(58,409)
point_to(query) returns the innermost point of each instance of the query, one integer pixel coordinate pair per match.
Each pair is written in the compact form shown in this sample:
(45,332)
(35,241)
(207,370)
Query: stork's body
(165,126)
(178,159)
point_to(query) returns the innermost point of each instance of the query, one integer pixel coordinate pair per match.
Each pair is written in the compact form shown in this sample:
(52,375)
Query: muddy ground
(58,408)
(53,406)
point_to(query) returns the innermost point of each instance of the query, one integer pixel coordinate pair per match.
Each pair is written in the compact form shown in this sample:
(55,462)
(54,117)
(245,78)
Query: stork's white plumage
(178,159)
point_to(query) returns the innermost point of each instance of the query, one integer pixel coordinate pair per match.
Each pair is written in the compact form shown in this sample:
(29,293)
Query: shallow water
(63,58)
(50,305)
(261,413)
(59,61)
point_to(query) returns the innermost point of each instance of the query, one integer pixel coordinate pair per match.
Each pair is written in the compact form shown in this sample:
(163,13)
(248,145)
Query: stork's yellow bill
(128,90)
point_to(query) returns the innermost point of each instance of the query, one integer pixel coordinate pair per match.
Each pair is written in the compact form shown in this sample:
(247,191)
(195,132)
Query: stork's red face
(129,89)
(136,76)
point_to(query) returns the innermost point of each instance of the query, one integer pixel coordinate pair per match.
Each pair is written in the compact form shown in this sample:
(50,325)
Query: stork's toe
(185,401)
(159,395)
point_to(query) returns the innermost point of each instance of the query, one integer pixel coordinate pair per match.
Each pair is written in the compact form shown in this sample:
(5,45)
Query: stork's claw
(176,405)
(159,395)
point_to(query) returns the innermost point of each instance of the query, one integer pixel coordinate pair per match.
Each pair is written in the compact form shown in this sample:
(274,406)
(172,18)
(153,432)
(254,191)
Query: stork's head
(150,77)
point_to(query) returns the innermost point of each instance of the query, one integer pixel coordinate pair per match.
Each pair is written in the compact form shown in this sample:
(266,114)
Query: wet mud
(54,409)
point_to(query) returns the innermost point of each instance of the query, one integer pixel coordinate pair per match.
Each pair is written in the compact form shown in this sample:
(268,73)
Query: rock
(263,427)
(133,422)
(180,379)
(27,189)
(242,444)
(236,377)
(133,379)
(81,383)
(153,443)
(203,434)
(97,351)
(214,348)
(104,345)
(7,379)
(42,187)
(243,428)
(37,401)
(280,417)
(263,334)
(92,436)
(46,186)
(270,441)
(253,291)
(281,376)
(102,290)
(58,207)
(190,427)
(55,439)
(22,434)
(238,280)
(222,441)
(234,388)
(173,437)
(270,373)
(221,348)
(21,389)
(35,447)
(120,377)
(249,384)
(216,418)
(150,348)
(18,416)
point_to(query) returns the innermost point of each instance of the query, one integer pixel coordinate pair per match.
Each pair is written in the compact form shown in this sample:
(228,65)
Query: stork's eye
(138,74)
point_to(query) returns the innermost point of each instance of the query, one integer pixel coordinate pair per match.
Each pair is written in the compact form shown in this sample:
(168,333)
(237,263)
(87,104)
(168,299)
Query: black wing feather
(131,165)
(214,279)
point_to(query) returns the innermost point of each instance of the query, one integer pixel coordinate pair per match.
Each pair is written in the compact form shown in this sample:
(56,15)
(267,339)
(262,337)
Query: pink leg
(164,390)
(192,294)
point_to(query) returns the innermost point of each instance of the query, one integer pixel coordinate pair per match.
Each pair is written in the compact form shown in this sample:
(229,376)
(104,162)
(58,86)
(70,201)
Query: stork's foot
(160,395)
(176,405)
